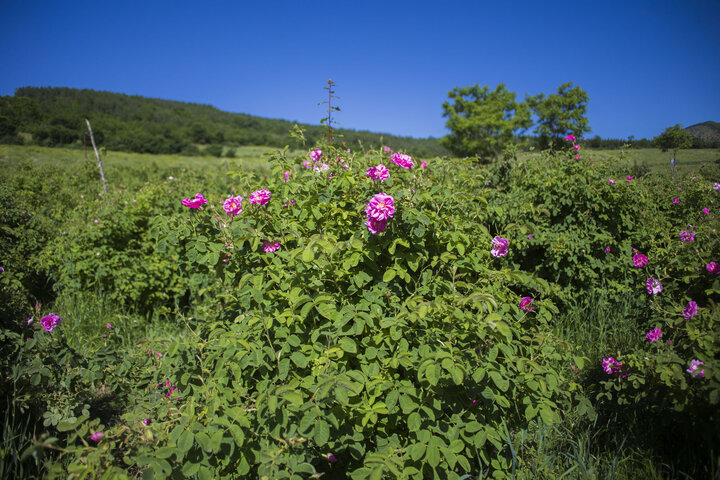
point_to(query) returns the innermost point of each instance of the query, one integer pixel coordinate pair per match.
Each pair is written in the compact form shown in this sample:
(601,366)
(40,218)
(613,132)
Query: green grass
(247,158)
(658,161)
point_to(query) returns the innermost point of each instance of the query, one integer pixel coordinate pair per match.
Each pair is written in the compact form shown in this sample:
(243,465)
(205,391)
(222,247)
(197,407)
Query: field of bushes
(309,314)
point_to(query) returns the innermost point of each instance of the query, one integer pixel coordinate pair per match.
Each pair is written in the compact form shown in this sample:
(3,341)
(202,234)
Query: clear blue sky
(645,64)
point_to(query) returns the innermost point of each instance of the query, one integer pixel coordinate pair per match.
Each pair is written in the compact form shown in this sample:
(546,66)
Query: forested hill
(54,116)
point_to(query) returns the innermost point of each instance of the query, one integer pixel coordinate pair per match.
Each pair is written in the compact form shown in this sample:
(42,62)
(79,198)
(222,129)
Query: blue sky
(646,65)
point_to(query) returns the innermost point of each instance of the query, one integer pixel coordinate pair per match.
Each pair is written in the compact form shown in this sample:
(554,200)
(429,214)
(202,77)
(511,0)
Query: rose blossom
(376,226)
(197,202)
(260,197)
(500,247)
(270,247)
(380,207)
(612,366)
(640,260)
(380,172)
(706,211)
(690,311)
(233,205)
(49,322)
(653,286)
(570,138)
(525,304)
(694,364)
(402,160)
(611,181)
(653,335)
(95,437)
(713,267)
(316,154)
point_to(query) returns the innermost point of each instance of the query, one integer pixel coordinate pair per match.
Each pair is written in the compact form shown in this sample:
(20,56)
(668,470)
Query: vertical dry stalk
(97,155)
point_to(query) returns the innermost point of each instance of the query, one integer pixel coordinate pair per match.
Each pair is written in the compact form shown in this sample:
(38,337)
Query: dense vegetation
(55,117)
(144,336)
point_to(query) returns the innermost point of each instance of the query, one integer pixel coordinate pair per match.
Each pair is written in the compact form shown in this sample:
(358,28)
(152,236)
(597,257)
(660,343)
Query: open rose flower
(402,160)
(640,260)
(316,154)
(653,286)
(233,205)
(613,367)
(269,247)
(49,322)
(500,247)
(380,173)
(690,311)
(525,304)
(260,197)
(380,207)
(713,268)
(196,202)
(653,335)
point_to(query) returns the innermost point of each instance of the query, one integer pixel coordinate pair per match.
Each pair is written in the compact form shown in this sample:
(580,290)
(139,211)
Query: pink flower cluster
(653,335)
(640,260)
(316,154)
(525,304)
(95,437)
(576,147)
(168,388)
(196,202)
(402,160)
(49,322)
(687,236)
(380,173)
(713,268)
(233,205)
(260,197)
(500,247)
(379,210)
(676,200)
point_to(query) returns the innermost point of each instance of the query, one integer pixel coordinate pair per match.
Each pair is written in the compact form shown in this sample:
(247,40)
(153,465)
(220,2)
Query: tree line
(54,116)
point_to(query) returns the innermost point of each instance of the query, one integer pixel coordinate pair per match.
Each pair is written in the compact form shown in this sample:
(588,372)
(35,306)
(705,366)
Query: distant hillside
(706,132)
(54,116)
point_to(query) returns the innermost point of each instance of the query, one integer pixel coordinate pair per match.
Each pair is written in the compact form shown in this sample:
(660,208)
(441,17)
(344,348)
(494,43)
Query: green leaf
(501,382)
(308,254)
(204,441)
(186,440)
(293,397)
(299,359)
(389,275)
(414,422)
(321,434)
(432,373)
(190,469)
(432,456)
(348,344)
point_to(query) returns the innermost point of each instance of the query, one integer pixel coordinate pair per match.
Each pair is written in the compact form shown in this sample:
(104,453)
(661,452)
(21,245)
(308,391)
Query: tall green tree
(673,139)
(482,121)
(560,114)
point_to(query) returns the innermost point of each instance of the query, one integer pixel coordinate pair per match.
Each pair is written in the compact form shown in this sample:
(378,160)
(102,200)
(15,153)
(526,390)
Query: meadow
(539,317)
